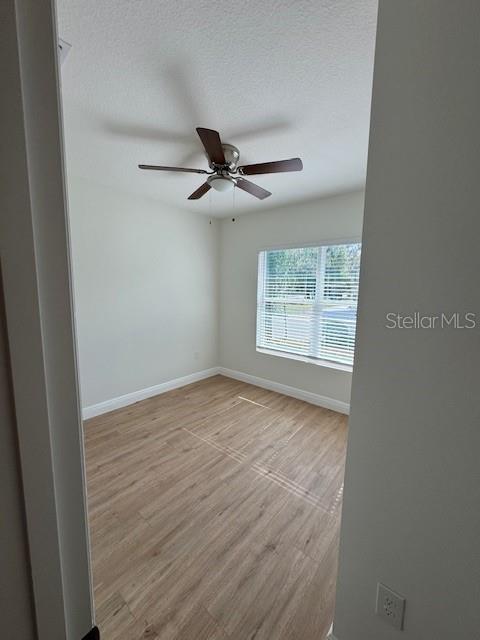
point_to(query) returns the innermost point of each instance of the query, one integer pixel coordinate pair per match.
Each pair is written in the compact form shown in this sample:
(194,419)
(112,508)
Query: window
(307,302)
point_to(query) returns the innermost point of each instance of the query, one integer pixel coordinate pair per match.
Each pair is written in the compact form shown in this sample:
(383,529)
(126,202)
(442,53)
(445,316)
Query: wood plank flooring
(214,515)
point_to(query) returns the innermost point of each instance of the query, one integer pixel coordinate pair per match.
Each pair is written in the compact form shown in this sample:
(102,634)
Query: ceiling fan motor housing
(232,156)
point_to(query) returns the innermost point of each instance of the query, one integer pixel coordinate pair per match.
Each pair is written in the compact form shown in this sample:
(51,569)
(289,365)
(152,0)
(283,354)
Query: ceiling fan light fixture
(221,183)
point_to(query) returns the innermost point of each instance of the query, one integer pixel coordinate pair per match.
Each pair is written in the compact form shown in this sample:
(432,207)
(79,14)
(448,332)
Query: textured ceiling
(277,78)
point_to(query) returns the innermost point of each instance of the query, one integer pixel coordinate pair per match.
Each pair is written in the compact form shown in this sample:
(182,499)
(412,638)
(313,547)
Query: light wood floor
(214,514)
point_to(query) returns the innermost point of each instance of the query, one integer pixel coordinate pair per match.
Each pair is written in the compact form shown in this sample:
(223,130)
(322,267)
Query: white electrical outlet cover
(390,606)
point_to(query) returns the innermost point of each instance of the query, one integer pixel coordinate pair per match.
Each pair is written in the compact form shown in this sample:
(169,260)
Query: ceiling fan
(225,172)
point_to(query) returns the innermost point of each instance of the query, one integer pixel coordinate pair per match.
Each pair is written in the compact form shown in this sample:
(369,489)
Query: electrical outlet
(390,606)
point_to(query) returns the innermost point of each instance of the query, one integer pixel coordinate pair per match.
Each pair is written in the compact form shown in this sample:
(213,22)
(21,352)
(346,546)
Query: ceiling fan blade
(155,167)
(213,145)
(201,191)
(294,164)
(252,188)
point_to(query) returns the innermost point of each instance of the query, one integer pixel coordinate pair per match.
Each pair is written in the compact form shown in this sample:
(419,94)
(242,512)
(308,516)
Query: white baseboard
(129,398)
(307,396)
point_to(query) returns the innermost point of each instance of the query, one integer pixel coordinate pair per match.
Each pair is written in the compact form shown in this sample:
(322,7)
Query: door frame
(35,257)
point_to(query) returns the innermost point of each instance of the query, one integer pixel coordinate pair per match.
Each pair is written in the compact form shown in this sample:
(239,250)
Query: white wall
(338,217)
(411,515)
(163,293)
(146,291)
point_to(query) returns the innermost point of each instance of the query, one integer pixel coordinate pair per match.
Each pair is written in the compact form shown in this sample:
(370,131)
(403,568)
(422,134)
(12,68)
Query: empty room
(215,204)
(239,320)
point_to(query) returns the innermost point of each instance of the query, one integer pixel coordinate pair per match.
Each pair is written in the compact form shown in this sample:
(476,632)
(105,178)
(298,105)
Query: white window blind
(307,301)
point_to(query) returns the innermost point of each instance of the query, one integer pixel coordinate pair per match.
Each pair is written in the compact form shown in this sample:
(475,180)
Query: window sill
(306,359)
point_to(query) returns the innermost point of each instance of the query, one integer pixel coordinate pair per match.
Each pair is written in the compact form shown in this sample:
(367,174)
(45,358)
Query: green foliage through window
(307,301)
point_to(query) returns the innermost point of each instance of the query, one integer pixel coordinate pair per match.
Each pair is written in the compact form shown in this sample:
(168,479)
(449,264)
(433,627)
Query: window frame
(330,364)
